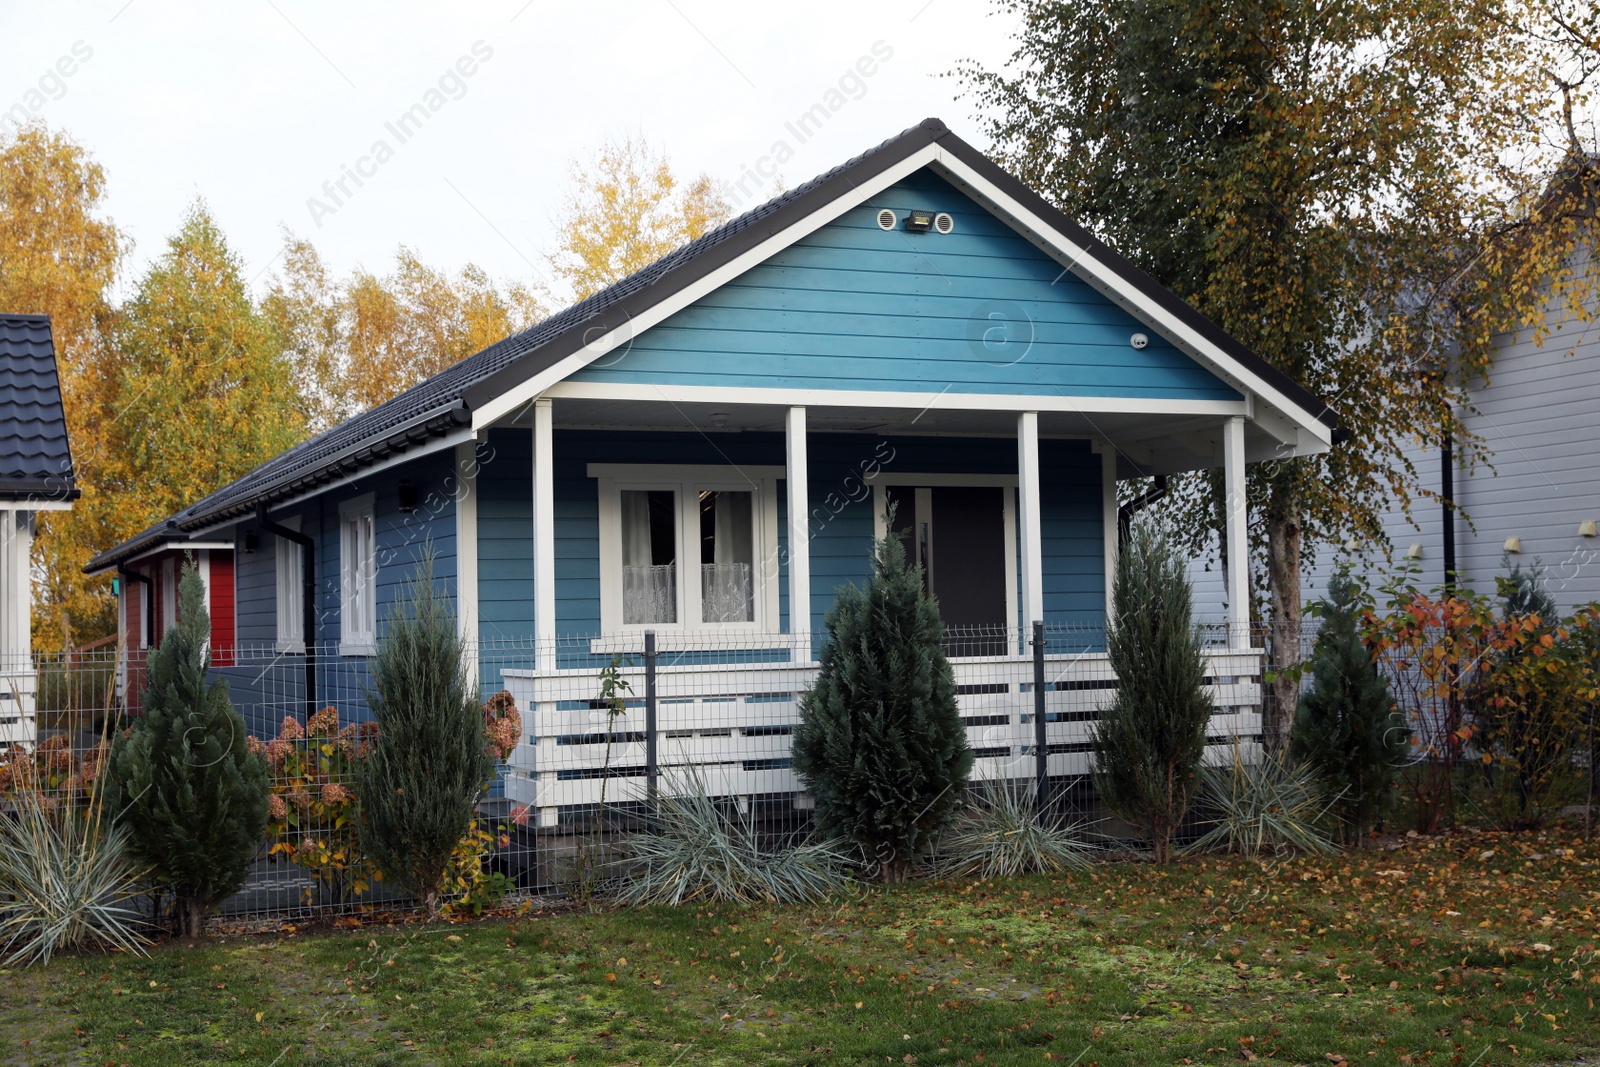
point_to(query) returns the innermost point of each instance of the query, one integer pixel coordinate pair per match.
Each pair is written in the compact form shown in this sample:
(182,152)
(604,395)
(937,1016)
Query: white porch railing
(733,723)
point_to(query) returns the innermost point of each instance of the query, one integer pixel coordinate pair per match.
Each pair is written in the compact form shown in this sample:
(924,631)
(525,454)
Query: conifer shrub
(1149,742)
(182,781)
(429,765)
(1347,730)
(881,745)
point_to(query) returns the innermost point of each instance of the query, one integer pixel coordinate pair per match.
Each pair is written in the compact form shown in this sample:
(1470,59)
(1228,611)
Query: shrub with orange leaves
(1501,687)
(502,724)
(313,810)
(53,769)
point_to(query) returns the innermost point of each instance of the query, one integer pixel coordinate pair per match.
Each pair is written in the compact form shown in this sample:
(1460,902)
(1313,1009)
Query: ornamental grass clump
(65,878)
(697,852)
(1001,833)
(1263,806)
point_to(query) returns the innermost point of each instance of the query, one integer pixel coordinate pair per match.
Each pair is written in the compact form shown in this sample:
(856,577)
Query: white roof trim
(525,393)
(1312,435)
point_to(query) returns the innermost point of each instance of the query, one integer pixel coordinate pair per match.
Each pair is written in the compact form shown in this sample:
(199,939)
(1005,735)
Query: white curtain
(649,591)
(726,587)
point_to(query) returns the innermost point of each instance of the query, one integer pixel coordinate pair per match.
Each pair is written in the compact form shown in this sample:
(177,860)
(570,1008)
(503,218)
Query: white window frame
(1008,482)
(687,481)
(356,581)
(289,570)
(169,594)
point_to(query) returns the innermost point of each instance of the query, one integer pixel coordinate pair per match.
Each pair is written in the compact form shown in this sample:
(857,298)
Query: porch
(730,724)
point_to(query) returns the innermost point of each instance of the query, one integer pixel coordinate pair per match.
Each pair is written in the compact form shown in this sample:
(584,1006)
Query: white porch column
(1032,586)
(1236,532)
(796,479)
(544,537)
(466,499)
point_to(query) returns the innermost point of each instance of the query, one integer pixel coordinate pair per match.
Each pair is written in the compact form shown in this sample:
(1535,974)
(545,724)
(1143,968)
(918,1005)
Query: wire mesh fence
(594,732)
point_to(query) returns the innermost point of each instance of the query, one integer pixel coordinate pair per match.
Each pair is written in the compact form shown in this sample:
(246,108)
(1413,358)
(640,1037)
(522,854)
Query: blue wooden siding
(841,515)
(402,540)
(979,310)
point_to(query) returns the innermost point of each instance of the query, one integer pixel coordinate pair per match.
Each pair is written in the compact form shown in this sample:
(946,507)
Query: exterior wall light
(1513,544)
(919,221)
(1586,528)
(1415,551)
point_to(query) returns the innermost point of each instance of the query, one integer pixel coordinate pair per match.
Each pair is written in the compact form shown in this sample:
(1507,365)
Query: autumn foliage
(1492,687)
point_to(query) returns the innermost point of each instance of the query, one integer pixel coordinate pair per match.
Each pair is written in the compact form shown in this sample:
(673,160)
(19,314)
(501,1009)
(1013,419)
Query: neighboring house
(35,475)
(706,448)
(1536,502)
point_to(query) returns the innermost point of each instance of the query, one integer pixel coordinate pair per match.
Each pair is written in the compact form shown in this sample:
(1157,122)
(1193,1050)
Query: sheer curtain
(649,584)
(727,592)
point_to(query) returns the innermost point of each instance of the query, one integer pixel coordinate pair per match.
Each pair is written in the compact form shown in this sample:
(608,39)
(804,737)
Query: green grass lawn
(1470,949)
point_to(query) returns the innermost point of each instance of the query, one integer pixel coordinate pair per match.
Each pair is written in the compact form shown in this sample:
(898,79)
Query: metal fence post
(1041,747)
(651,767)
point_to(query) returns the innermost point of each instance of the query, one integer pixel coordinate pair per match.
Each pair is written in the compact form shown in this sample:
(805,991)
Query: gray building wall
(1539,417)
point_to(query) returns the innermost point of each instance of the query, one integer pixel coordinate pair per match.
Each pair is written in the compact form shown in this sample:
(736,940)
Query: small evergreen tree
(1148,743)
(1346,729)
(880,744)
(420,783)
(182,781)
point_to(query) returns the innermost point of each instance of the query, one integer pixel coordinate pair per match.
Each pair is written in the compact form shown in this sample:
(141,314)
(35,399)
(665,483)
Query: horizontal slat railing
(731,725)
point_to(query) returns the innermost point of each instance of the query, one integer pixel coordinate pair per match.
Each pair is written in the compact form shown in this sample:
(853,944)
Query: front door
(957,533)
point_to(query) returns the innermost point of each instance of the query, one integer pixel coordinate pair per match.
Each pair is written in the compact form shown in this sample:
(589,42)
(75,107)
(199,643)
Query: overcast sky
(256,104)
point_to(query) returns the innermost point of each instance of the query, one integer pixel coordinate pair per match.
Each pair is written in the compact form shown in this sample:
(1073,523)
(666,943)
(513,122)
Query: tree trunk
(191,917)
(1283,581)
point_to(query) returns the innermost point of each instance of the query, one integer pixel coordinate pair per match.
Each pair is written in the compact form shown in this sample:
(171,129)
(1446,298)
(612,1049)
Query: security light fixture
(407,491)
(919,222)
(1513,544)
(1586,528)
(1414,552)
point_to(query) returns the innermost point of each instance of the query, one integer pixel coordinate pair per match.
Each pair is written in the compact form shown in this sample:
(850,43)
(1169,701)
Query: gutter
(308,596)
(1127,511)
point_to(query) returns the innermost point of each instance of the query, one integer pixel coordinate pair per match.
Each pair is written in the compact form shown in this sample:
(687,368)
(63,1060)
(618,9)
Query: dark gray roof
(35,457)
(434,407)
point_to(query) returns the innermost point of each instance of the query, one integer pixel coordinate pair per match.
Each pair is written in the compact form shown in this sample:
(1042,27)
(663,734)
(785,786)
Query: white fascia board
(1070,255)
(1083,264)
(906,401)
(510,401)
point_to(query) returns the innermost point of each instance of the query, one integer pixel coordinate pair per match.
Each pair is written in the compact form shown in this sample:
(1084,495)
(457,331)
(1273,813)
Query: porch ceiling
(1144,443)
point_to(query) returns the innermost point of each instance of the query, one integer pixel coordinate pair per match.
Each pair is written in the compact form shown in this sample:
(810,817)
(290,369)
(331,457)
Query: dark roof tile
(35,456)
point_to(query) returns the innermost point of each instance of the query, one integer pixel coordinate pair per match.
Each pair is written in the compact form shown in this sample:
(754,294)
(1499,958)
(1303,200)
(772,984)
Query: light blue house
(706,449)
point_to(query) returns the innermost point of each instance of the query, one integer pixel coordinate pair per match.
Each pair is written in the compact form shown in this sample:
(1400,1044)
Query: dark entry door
(957,534)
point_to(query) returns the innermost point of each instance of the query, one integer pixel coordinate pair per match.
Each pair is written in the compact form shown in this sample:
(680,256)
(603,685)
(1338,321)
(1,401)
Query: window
(685,547)
(291,590)
(358,575)
(169,594)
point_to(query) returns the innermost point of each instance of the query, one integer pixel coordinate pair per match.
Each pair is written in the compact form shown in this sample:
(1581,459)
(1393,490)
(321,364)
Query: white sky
(254,104)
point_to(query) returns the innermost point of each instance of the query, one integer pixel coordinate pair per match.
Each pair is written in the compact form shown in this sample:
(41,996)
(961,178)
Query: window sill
(358,648)
(668,640)
(290,648)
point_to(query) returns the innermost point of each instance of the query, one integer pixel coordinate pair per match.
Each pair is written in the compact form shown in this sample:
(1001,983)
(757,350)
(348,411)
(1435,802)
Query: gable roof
(448,401)
(35,455)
